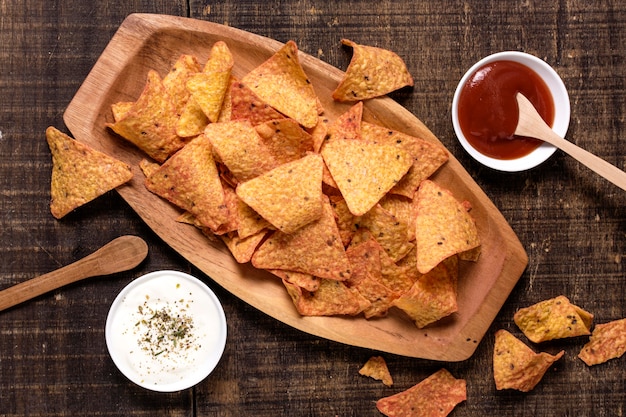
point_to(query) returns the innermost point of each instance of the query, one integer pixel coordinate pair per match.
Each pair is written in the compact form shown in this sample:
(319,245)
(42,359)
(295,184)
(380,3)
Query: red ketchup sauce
(487,108)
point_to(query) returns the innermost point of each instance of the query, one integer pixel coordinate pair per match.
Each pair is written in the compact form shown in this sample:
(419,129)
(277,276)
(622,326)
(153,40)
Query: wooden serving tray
(145,42)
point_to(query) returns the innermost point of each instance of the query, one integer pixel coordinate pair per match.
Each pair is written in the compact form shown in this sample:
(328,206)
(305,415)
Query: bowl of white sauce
(166,331)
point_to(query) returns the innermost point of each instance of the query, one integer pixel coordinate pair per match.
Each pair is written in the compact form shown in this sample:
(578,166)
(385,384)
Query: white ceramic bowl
(166,331)
(561,112)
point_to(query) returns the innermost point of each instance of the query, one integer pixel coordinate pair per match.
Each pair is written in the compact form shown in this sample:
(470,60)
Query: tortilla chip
(345,219)
(192,120)
(190,180)
(289,196)
(285,139)
(176,79)
(443,226)
(403,209)
(208,91)
(121,109)
(396,278)
(281,82)
(148,167)
(246,105)
(364,172)
(80,174)
(376,368)
(555,318)
(516,366)
(372,72)
(331,298)
(366,278)
(436,395)
(242,248)
(427,157)
(608,341)
(432,297)
(348,124)
(388,230)
(150,123)
(305,281)
(319,133)
(314,249)
(241,149)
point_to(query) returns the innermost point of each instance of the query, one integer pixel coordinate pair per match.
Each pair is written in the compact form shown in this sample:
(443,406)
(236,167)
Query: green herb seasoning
(166,330)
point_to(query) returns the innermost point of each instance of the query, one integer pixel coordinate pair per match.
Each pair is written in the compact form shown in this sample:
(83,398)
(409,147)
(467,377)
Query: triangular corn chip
(331,298)
(80,173)
(281,82)
(364,172)
(150,123)
(517,366)
(289,196)
(608,341)
(443,226)
(555,318)
(246,105)
(348,124)
(372,72)
(190,180)
(433,296)
(241,149)
(427,157)
(435,396)
(376,368)
(388,230)
(285,139)
(176,79)
(314,249)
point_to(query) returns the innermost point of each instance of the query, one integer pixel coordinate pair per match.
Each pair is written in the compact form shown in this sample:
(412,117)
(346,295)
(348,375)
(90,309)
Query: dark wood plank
(53,358)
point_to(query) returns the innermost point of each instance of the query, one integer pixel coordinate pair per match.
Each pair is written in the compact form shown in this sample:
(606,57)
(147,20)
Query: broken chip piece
(372,72)
(80,173)
(376,368)
(555,318)
(517,366)
(436,395)
(608,341)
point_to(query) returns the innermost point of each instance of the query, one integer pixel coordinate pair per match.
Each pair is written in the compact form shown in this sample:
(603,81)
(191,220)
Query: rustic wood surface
(53,358)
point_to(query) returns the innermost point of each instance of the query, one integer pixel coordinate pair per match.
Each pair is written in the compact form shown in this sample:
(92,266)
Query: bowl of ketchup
(484,109)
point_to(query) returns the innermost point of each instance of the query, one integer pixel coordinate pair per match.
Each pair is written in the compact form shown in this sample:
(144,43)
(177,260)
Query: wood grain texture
(53,358)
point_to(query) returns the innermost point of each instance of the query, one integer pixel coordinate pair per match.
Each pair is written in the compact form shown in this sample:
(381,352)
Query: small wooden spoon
(121,254)
(531,124)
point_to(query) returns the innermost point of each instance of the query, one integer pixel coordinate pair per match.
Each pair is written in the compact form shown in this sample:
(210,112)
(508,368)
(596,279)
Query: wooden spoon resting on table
(531,124)
(121,254)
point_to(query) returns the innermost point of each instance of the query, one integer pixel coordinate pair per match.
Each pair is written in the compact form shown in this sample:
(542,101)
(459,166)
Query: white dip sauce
(166,331)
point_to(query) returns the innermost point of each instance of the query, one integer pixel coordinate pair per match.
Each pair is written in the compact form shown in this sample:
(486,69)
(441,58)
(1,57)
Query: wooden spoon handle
(120,254)
(530,124)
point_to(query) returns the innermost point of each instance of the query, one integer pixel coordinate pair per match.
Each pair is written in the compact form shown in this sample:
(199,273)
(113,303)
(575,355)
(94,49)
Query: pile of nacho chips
(342,211)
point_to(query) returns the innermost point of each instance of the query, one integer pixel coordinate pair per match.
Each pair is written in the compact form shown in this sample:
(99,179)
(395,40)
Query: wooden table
(53,358)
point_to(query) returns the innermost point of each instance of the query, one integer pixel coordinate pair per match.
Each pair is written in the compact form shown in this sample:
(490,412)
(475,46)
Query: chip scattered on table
(517,366)
(376,368)
(372,72)
(436,395)
(79,173)
(556,318)
(608,341)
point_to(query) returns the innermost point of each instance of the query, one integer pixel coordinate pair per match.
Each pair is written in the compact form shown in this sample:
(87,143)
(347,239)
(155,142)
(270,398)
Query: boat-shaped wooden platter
(145,42)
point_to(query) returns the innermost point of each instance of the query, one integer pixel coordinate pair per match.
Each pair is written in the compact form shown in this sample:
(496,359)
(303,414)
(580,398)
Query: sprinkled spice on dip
(166,331)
